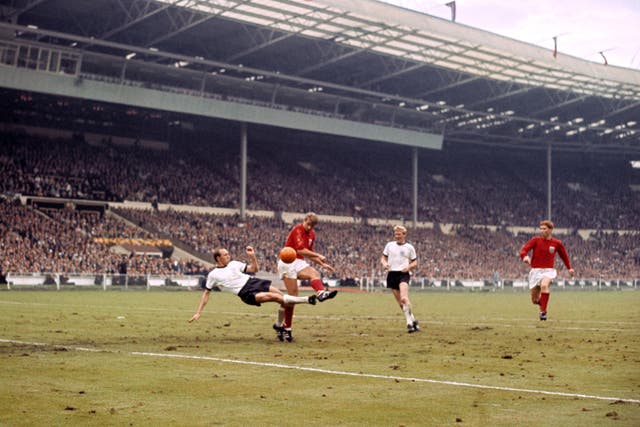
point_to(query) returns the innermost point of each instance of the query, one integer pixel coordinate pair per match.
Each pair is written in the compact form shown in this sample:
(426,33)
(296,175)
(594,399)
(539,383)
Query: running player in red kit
(301,238)
(542,272)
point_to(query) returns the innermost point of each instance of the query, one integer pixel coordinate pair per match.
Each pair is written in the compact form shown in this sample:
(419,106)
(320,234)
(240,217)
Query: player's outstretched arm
(203,302)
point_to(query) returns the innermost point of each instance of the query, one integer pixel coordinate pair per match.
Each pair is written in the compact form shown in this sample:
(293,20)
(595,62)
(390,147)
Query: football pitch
(481,359)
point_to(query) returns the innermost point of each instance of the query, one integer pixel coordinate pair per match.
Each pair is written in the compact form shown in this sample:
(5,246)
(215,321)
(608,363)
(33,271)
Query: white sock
(406,309)
(280,320)
(290,299)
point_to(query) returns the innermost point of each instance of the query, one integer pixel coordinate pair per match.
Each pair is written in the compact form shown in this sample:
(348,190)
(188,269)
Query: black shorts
(394,278)
(251,288)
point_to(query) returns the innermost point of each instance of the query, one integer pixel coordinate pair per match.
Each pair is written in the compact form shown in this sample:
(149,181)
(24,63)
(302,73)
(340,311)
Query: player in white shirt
(231,276)
(399,257)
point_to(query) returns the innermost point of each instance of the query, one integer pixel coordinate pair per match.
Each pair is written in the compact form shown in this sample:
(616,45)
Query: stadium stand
(464,187)
(64,242)
(472,200)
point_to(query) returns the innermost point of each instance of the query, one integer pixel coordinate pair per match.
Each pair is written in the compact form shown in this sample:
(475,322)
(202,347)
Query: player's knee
(313,274)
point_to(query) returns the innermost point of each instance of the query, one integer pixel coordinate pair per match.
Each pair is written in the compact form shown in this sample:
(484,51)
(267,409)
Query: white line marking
(327,371)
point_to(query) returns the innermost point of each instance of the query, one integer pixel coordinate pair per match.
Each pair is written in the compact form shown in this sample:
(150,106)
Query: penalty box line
(327,371)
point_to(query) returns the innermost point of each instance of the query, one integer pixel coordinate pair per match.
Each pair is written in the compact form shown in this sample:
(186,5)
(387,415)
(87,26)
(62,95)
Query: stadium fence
(61,281)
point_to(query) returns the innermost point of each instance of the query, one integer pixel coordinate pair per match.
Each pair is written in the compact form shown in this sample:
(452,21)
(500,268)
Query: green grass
(589,346)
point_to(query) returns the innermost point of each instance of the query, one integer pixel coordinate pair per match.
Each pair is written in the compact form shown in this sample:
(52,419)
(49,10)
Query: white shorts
(290,271)
(537,274)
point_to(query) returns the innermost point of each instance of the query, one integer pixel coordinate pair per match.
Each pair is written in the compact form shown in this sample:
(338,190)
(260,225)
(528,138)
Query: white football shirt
(230,278)
(399,256)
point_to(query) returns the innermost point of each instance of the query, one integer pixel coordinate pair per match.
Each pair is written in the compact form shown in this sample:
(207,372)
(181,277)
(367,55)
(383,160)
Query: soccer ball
(288,254)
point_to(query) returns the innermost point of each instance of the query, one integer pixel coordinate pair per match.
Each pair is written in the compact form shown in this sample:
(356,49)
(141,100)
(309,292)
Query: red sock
(317,285)
(544,299)
(288,316)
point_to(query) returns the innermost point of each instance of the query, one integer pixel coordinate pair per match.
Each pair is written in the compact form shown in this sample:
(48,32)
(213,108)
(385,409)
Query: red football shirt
(544,252)
(299,238)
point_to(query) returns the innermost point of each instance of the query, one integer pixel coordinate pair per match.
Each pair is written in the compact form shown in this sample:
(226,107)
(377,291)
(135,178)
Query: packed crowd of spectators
(368,180)
(361,181)
(60,241)
(354,248)
(72,168)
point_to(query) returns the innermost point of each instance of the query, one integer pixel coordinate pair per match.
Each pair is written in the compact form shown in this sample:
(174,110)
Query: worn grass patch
(102,358)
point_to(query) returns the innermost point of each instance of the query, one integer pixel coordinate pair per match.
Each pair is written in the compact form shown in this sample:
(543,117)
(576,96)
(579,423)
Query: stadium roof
(361,59)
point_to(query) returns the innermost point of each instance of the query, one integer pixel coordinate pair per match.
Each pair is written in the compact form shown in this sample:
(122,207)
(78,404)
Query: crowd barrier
(60,281)
(371,284)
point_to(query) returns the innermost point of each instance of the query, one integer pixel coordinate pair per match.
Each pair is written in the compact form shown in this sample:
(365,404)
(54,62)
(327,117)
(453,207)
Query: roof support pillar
(549,181)
(414,163)
(243,171)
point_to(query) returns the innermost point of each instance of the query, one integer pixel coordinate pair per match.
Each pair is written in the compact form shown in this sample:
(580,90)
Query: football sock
(288,316)
(544,299)
(280,316)
(290,299)
(317,285)
(406,309)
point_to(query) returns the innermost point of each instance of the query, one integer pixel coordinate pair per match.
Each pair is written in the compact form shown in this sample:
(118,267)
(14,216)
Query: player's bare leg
(535,295)
(313,276)
(402,297)
(285,331)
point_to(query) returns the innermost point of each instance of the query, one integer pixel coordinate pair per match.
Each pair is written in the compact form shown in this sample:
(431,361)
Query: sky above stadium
(583,28)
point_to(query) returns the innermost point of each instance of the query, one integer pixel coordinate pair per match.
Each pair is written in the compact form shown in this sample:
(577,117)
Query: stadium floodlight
(130,55)
(635,164)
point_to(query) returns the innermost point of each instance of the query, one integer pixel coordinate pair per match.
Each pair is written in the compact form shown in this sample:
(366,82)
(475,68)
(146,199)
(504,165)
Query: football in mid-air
(288,254)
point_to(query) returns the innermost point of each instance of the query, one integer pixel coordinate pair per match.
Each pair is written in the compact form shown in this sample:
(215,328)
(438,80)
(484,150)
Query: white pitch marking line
(330,372)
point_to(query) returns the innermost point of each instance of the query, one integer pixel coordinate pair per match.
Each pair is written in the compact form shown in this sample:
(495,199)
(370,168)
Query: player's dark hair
(216,254)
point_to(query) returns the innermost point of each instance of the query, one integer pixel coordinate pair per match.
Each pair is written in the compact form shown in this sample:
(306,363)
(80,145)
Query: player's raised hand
(328,267)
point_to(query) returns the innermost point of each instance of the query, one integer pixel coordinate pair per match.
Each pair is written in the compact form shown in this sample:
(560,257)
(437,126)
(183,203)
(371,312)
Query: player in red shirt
(301,238)
(542,259)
